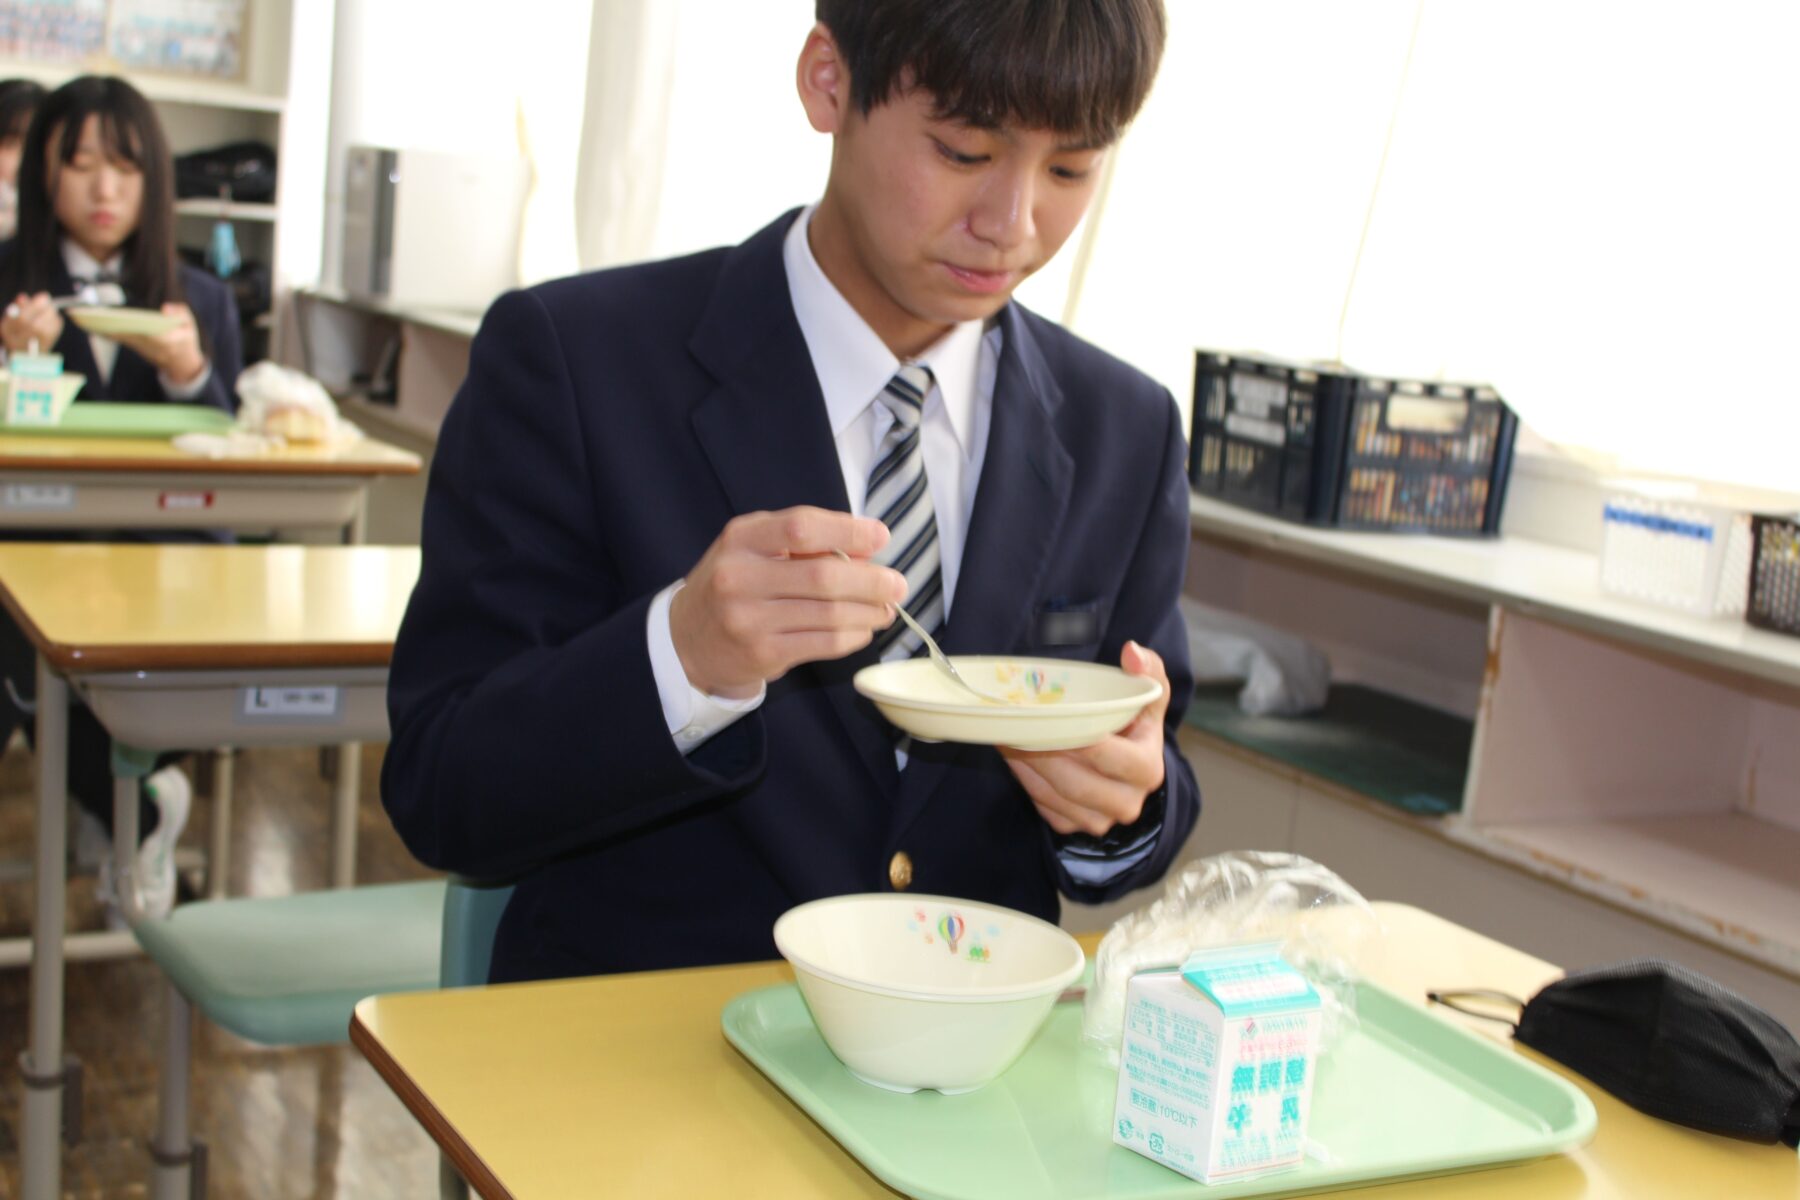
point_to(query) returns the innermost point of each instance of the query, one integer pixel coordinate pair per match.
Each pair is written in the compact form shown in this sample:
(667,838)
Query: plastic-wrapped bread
(281,402)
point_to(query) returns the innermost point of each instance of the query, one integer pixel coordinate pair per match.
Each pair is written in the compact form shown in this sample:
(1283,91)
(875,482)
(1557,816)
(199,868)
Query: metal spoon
(937,655)
(85,298)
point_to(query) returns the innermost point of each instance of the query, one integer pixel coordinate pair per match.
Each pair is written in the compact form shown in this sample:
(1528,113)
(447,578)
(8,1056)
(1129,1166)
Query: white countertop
(1533,578)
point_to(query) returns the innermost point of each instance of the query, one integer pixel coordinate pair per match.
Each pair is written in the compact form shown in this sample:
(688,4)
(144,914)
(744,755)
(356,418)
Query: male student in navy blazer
(624,677)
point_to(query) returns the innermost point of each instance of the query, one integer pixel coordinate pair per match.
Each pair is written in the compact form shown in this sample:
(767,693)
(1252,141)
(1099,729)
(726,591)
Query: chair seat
(289,970)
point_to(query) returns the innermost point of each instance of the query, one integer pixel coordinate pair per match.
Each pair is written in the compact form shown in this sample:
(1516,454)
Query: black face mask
(1668,1042)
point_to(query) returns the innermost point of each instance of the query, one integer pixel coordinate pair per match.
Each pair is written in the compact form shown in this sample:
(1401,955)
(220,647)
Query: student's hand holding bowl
(1092,789)
(175,354)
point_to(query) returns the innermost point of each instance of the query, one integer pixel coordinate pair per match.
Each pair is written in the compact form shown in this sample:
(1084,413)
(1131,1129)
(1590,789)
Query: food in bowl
(915,992)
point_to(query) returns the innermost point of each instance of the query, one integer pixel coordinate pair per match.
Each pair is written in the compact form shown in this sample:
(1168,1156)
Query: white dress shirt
(854,365)
(83,265)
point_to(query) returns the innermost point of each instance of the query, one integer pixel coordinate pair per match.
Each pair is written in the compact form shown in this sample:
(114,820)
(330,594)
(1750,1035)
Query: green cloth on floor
(1405,754)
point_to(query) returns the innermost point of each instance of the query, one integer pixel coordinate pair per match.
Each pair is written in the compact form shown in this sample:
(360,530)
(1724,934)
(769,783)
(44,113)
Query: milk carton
(1216,1065)
(37,392)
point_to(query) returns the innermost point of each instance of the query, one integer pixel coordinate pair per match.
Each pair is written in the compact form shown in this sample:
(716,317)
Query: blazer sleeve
(524,713)
(1148,612)
(216,313)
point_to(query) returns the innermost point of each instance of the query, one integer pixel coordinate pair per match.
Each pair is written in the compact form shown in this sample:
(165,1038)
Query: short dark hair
(1081,67)
(130,129)
(19,100)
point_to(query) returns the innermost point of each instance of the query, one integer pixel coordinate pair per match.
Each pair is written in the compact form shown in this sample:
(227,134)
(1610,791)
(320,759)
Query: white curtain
(694,134)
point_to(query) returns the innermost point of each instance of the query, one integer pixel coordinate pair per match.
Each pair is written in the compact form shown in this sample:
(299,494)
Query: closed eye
(957,157)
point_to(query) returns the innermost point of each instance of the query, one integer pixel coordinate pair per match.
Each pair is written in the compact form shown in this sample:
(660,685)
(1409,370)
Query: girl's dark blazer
(610,425)
(134,380)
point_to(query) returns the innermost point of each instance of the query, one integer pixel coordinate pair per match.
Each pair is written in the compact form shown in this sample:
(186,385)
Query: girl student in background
(97,222)
(19,100)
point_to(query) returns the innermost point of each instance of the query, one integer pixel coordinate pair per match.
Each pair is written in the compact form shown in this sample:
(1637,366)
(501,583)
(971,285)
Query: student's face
(927,222)
(97,197)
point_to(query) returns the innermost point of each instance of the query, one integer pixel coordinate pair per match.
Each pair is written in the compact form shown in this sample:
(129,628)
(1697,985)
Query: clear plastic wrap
(279,402)
(1321,922)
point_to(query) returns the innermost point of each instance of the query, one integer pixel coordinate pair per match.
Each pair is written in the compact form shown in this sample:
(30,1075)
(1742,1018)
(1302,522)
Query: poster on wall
(184,37)
(187,37)
(52,31)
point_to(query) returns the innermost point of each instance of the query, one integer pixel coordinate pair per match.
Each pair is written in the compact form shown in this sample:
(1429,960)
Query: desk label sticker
(304,703)
(38,497)
(184,501)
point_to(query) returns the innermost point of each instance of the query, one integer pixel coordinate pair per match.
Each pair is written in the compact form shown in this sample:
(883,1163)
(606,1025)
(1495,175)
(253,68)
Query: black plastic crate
(1775,574)
(1331,446)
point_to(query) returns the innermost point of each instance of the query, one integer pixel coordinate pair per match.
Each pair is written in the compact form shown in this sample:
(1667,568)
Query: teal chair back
(471,915)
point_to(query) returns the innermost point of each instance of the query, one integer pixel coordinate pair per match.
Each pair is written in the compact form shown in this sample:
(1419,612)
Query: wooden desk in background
(49,482)
(175,647)
(540,1091)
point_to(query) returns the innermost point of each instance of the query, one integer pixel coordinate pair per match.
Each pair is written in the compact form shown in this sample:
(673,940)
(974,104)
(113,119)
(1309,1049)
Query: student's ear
(823,81)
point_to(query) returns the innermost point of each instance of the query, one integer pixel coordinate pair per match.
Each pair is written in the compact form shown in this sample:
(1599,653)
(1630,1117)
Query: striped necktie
(900,497)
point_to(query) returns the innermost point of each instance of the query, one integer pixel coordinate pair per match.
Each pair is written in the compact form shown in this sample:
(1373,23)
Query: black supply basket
(1775,574)
(1330,446)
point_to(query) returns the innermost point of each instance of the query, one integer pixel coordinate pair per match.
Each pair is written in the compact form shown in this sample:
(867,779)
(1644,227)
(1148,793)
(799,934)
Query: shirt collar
(82,265)
(853,363)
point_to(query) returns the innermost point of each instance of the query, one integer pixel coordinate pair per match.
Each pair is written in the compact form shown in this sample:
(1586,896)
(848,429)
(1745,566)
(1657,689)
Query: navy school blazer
(610,425)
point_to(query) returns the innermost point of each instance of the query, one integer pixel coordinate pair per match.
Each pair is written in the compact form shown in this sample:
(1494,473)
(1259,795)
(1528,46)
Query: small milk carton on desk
(1216,1064)
(37,391)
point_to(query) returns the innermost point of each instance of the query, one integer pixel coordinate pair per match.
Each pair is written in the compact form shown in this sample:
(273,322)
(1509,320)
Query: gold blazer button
(900,871)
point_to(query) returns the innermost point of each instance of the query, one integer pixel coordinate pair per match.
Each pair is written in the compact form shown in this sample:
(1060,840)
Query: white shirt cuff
(188,390)
(691,714)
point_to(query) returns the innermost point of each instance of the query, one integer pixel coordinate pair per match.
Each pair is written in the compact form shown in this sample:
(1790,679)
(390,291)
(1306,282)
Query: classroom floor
(279,1123)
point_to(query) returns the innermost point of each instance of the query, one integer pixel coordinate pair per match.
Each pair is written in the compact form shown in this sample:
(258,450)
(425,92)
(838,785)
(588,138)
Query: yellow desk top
(101,607)
(25,452)
(561,1089)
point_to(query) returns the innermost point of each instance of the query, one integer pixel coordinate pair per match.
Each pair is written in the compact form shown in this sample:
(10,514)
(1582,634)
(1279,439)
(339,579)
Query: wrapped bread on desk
(279,402)
(1319,923)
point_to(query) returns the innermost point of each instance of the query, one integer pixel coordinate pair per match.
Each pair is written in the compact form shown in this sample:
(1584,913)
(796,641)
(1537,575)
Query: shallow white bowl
(114,322)
(918,992)
(1066,704)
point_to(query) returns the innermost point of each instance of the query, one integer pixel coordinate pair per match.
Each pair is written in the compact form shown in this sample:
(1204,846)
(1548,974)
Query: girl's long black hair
(19,99)
(129,129)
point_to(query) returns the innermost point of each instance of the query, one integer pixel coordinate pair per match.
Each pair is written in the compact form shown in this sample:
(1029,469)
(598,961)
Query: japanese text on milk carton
(1216,1065)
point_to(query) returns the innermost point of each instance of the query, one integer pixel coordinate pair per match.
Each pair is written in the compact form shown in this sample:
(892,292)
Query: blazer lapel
(766,434)
(1019,506)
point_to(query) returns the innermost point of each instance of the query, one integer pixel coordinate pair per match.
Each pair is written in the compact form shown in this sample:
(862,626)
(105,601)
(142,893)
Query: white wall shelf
(228,209)
(1533,578)
(1723,878)
(1638,756)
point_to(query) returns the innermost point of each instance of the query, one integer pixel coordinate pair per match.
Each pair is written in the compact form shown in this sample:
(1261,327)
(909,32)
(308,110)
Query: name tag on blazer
(1059,623)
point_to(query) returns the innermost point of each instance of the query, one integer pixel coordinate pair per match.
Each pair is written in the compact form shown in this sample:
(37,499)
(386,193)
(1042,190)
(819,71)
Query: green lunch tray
(1405,1095)
(104,419)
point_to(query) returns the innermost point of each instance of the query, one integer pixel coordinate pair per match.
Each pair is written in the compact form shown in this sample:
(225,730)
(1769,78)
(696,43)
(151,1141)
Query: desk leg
(44,1068)
(346,784)
(223,779)
(358,528)
(344,796)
